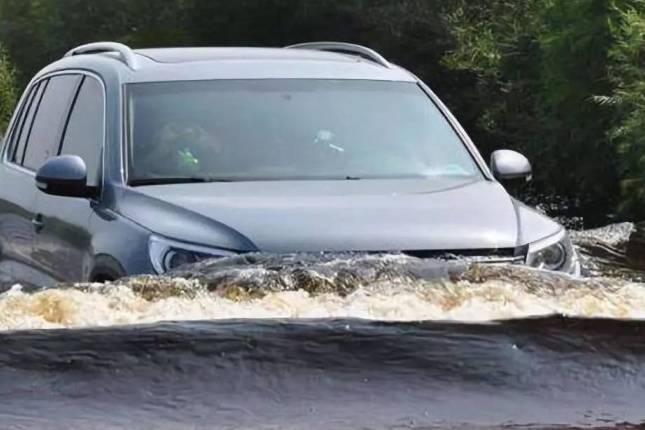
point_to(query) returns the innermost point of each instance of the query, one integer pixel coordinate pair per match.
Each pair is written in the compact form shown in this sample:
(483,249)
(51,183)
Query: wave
(477,294)
(372,287)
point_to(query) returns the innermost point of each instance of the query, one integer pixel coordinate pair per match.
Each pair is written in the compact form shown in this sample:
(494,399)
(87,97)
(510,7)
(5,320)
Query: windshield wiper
(175,180)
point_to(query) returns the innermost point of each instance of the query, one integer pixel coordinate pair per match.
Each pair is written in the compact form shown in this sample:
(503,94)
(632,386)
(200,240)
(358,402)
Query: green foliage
(627,73)
(496,41)
(541,67)
(488,32)
(574,39)
(7,91)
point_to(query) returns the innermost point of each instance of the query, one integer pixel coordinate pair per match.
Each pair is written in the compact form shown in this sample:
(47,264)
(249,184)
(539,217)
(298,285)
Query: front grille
(484,256)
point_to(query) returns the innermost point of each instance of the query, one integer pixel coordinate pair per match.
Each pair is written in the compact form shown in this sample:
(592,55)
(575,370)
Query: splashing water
(391,288)
(333,342)
(605,252)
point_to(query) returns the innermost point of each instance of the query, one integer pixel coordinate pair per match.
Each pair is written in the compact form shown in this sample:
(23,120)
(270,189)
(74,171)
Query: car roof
(188,55)
(172,64)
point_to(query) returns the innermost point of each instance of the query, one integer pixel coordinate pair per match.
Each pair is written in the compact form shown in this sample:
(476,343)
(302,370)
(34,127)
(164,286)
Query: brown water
(334,342)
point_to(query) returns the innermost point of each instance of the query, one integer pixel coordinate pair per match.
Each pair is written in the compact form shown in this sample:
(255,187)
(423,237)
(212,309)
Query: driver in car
(181,149)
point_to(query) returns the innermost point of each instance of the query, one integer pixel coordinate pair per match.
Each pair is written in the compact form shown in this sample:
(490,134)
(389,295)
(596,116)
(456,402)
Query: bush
(7,91)
(627,73)
(563,81)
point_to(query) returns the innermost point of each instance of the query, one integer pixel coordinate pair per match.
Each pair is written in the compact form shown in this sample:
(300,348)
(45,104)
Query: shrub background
(7,91)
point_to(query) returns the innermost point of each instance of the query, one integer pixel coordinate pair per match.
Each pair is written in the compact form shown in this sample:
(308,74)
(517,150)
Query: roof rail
(341,47)
(126,54)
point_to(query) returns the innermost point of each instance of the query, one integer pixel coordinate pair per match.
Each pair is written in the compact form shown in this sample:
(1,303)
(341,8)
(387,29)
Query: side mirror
(506,165)
(65,175)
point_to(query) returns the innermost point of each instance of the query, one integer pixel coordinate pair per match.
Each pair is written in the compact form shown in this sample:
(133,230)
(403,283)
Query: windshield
(279,129)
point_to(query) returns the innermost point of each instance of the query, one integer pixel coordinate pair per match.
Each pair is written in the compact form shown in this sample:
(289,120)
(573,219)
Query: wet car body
(114,228)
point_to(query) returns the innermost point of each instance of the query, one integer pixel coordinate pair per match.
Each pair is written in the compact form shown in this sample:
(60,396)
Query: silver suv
(121,161)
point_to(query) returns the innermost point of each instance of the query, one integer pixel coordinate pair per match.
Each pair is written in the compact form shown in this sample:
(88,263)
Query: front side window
(280,129)
(84,131)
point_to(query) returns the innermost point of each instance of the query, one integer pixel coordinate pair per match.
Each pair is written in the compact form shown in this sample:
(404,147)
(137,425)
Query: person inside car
(180,149)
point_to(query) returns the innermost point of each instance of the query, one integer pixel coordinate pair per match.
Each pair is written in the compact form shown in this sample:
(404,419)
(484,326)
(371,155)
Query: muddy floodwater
(333,342)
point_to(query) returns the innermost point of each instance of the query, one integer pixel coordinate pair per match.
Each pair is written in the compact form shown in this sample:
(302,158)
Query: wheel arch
(106,268)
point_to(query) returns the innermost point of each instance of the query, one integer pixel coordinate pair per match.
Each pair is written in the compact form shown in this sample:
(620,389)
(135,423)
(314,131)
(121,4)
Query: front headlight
(166,254)
(554,253)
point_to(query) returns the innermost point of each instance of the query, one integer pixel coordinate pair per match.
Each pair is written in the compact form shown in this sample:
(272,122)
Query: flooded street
(351,205)
(321,374)
(334,342)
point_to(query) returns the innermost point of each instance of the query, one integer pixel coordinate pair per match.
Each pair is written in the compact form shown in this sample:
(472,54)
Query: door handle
(37,222)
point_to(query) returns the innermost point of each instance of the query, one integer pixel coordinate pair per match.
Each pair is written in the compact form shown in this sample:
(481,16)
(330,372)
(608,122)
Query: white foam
(439,300)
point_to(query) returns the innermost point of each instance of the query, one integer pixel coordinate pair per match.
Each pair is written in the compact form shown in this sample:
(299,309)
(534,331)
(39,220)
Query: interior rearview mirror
(507,165)
(65,175)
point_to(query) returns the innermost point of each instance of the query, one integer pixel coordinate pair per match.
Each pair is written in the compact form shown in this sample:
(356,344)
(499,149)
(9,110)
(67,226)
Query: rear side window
(51,114)
(24,125)
(14,133)
(84,132)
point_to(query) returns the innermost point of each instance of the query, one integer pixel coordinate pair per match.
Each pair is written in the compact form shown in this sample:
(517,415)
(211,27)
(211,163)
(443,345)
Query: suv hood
(364,215)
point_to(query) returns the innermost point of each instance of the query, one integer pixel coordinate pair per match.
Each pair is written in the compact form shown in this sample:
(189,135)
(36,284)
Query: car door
(36,139)
(17,197)
(39,140)
(63,246)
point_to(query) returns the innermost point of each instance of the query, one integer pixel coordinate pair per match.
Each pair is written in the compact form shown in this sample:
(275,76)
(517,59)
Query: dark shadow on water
(326,374)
